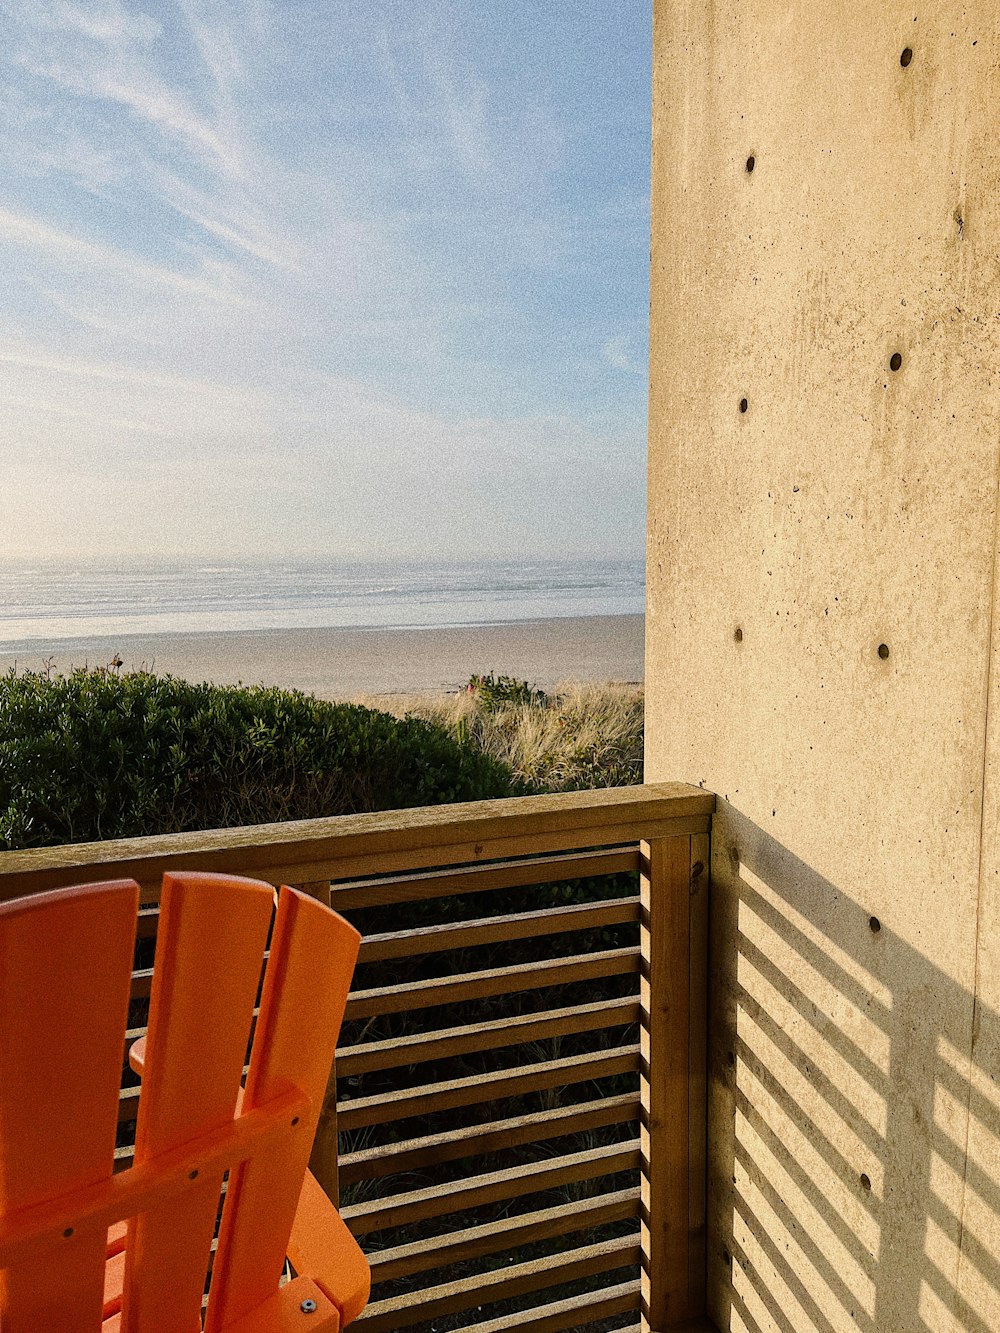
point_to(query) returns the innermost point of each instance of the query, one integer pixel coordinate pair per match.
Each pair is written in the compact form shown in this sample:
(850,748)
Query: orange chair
(82,1249)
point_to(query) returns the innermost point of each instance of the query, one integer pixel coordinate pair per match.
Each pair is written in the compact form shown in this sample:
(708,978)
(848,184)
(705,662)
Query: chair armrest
(322,1247)
(137,1055)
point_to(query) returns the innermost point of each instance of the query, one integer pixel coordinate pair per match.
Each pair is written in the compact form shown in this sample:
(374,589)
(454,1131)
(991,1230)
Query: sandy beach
(345,663)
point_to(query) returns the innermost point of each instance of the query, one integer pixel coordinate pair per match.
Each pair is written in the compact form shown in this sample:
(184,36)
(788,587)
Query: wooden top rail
(351,846)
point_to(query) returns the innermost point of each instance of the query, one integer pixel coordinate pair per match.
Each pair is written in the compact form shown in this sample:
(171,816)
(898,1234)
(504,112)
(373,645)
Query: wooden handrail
(349,846)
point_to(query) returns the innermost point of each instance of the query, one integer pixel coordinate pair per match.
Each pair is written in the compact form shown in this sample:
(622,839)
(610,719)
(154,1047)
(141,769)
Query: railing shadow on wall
(855,1162)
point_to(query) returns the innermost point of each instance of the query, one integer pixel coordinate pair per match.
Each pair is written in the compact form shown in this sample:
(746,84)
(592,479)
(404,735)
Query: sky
(331,278)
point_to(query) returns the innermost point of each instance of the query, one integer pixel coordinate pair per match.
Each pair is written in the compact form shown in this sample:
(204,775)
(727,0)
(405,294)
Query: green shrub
(96,755)
(493,692)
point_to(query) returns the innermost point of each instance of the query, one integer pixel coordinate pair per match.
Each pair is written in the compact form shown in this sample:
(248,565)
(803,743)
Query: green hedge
(96,755)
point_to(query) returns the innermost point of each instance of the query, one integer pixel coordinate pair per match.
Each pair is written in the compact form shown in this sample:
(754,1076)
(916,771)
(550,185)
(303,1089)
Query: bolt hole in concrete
(906,56)
(883,651)
(738,634)
(743,404)
(751,163)
(866,1183)
(874,924)
(895,361)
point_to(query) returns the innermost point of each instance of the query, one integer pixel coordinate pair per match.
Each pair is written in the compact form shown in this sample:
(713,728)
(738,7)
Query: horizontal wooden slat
(498,929)
(473,1140)
(142,980)
(689,1326)
(480,1289)
(586,1308)
(505,1234)
(505,843)
(128,1104)
(370,844)
(517,873)
(516,1082)
(148,923)
(495,981)
(514,1031)
(468,1141)
(474,1191)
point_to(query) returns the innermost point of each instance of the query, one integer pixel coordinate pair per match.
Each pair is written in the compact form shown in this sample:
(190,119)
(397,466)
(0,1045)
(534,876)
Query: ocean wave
(57,603)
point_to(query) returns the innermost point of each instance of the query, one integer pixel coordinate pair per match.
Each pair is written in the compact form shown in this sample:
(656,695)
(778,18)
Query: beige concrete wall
(855,1104)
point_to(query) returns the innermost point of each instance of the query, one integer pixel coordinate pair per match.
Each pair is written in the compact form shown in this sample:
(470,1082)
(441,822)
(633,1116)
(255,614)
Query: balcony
(516,1125)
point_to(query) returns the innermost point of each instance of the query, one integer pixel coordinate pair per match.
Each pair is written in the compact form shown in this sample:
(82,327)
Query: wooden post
(673,945)
(318,889)
(324,1161)
(325,1157)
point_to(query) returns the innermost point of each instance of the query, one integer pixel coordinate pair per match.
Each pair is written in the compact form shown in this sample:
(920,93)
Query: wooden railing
(516,1121)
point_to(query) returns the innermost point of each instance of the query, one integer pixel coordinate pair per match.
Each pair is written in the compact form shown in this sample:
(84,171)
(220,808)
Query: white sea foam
(51,604)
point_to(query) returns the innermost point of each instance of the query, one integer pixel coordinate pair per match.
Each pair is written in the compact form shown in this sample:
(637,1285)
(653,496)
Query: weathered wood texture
(507,1233)
(415,1307)
(673,1109)
(475,1140)
(574,1116)
(583,1309)
(511,1183)
(349,846)
(366,1057)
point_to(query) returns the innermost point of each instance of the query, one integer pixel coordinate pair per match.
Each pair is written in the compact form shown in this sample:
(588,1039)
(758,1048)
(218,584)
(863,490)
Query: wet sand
(345,663)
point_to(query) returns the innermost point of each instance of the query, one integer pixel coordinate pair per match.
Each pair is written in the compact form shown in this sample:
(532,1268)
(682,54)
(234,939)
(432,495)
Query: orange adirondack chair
(83,1250)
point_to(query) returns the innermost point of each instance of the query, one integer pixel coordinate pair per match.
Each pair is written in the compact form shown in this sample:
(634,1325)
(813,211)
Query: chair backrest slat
(209,955)
(302,1005)
(65,965)
(65,969)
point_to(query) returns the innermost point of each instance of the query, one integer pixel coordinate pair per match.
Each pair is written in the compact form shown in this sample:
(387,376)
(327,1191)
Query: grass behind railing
(578,736)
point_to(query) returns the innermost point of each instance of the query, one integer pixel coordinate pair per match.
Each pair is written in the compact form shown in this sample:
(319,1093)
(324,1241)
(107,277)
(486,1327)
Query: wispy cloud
(108,22)
(453,120)
(305,250)
(66,248)
(619,352)
(252,241)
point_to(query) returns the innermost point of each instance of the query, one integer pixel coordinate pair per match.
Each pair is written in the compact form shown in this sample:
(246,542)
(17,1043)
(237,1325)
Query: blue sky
(337,278)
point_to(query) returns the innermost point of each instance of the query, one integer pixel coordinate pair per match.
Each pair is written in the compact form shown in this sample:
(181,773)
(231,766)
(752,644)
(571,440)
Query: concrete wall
(819,625)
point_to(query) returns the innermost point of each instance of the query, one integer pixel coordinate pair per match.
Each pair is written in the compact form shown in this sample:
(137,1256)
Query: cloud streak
(362,258)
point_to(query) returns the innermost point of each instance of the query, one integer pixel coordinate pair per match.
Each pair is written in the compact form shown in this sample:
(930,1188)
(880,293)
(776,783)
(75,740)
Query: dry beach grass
(579,735)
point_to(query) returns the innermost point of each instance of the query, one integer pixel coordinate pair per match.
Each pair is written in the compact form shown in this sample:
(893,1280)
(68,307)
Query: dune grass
(577,736)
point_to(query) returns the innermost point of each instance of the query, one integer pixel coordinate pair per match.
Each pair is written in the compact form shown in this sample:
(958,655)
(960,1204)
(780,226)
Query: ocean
(41,604)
